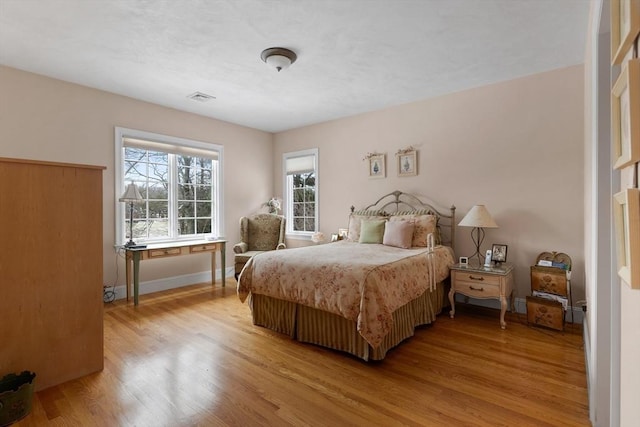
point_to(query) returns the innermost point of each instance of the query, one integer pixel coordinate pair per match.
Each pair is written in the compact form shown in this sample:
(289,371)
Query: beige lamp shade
(479,217)
(131,194)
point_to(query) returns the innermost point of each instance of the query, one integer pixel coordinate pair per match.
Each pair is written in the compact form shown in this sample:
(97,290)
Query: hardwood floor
(192,357)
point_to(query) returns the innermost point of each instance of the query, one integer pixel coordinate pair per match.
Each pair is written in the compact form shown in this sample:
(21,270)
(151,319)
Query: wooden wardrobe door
(50,270)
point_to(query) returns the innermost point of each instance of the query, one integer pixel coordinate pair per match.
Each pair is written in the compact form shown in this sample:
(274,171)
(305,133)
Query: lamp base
(477,236)
(133,245)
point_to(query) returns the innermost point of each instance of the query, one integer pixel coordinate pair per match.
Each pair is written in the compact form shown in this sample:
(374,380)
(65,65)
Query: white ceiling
(353,55)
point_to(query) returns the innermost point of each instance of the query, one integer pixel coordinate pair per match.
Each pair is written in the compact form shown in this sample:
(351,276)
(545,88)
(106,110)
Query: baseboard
(520,306)
(171,282)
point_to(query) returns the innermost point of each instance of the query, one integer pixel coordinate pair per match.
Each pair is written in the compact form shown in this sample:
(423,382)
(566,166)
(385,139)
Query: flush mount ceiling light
(279,57)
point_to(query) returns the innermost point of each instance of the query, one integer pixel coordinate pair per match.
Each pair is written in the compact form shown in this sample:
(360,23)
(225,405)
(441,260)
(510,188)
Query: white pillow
(398,234)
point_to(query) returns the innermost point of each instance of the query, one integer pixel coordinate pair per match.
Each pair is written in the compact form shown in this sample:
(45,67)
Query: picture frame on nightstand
(343,233)
(499,253)
(464,261)
(625,115)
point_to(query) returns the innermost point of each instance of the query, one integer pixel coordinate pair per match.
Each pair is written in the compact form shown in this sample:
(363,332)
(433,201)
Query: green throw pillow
(372,230)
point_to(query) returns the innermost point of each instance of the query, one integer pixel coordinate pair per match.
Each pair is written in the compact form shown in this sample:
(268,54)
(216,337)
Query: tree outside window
(179,191)
(301,192)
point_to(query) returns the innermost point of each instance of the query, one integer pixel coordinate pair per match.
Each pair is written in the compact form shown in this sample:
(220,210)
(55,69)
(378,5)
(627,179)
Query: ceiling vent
(201,97)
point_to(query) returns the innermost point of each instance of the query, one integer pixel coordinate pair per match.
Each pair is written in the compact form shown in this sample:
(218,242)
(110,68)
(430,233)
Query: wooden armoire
(51,289)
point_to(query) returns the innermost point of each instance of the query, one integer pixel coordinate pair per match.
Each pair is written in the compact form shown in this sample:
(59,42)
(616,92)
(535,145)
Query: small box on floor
(546,313)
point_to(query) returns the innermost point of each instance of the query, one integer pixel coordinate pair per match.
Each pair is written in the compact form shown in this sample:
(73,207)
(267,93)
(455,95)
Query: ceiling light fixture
(278,57)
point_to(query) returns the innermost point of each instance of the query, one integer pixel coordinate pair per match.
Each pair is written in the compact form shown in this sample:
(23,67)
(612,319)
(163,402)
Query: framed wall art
(625,115)
(625,26)
(626,212)
(407,161)
(377,166)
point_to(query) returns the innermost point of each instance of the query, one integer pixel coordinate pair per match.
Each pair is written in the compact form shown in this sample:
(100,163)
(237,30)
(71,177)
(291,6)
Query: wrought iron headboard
(398,201)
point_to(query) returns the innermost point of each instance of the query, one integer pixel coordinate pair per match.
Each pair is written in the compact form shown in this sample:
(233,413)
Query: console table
(135,255)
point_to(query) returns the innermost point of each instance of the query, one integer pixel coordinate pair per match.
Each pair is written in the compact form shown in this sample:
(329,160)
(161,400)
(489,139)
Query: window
(301,192)
(179,181)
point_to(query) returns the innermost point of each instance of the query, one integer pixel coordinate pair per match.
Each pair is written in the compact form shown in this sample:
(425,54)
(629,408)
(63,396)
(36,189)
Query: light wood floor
(192,357)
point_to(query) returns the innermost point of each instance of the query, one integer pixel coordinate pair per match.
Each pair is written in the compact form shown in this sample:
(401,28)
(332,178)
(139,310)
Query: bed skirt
(310,325)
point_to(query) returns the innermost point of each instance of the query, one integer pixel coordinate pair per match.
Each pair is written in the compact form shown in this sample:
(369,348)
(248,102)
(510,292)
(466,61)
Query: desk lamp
(131,195)
(479,218)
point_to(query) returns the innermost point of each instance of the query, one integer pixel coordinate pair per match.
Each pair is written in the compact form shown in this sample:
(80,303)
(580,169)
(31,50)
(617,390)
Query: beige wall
(47,119)
(516,146)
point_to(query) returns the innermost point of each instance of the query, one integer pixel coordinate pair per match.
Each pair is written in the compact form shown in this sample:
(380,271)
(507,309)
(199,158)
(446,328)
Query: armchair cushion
(264,232)
(244,257)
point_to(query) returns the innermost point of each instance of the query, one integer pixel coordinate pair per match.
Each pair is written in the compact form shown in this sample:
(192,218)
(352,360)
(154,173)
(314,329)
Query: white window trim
(300,235)
(122,133)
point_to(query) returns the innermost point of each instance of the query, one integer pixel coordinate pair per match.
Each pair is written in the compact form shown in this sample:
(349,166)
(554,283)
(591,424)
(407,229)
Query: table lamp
(131,195)
(479,218)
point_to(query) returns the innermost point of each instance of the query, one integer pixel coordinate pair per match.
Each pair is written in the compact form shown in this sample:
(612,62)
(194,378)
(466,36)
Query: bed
(363,295)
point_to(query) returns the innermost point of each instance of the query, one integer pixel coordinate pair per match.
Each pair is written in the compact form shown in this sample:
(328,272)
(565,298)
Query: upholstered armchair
(258,233)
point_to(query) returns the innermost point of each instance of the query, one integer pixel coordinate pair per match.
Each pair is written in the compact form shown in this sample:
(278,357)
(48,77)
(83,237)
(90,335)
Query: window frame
(288,192)
(169,141)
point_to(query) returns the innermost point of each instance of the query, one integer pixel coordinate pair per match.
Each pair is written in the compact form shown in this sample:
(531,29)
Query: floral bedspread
(364,283)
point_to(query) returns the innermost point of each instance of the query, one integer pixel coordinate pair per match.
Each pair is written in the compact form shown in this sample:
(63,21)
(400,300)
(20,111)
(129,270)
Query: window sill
(204,237)
(305,237)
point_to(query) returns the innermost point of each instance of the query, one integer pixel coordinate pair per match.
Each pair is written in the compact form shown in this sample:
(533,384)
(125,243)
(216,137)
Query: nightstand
(476,281)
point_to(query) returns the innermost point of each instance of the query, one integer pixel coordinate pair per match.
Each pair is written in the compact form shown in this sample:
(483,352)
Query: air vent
(201,97)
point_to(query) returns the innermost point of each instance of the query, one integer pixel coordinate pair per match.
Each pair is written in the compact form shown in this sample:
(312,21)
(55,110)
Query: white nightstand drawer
(474,277)
(477,281)
(478,289)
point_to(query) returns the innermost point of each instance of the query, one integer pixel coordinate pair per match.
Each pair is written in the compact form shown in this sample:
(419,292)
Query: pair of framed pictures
(407,164)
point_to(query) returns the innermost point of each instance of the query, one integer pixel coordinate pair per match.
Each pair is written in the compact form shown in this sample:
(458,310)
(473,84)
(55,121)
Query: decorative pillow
(372,230)
(423,225)
(398,234)
(355,219)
